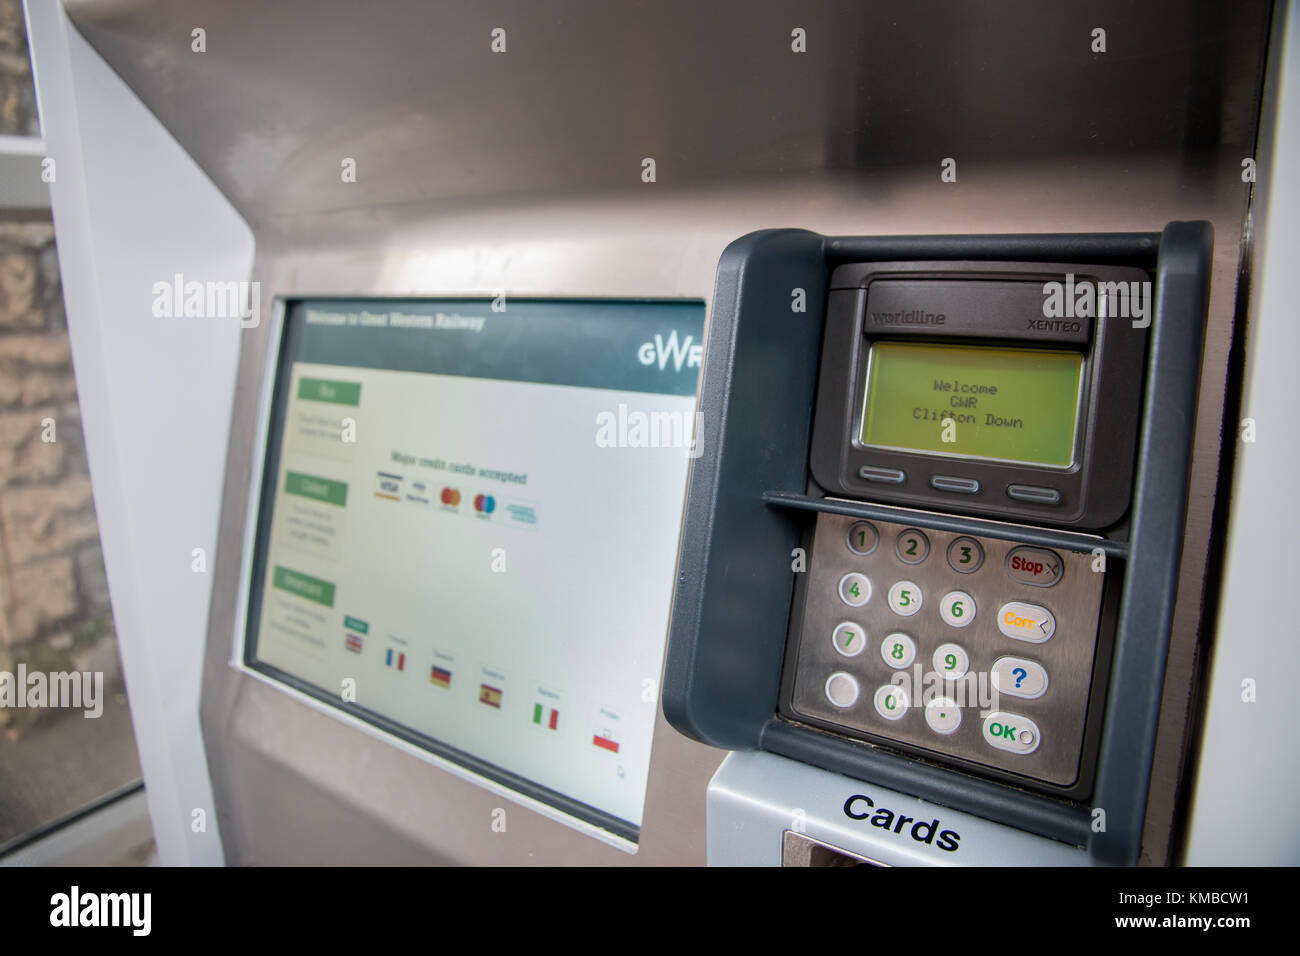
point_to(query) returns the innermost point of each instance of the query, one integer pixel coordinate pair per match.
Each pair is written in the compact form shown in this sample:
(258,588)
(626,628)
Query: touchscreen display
(1001,404)
(468,530)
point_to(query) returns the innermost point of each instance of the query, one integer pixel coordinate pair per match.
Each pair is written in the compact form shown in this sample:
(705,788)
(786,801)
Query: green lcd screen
(1013,405)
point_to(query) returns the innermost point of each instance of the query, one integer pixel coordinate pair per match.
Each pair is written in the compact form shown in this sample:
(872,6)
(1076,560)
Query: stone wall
(17,95)
(54,608)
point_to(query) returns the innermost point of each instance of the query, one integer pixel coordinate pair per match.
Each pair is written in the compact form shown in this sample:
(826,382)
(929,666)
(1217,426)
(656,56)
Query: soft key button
(1019,677)
(1011,732)
(1026,622)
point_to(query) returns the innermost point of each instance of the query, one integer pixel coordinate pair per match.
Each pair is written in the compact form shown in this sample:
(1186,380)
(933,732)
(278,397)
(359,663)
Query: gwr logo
(677,351)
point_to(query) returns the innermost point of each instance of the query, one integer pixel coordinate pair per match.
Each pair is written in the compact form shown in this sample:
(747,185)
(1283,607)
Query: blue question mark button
(1018,677)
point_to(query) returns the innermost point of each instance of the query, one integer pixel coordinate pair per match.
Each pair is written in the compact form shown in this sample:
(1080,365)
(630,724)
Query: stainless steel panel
(586,89)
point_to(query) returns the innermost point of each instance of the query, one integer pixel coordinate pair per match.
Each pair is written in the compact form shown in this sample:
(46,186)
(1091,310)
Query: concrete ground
(63,764)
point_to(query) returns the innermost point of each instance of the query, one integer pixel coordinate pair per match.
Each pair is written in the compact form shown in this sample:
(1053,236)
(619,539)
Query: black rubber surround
(748,508)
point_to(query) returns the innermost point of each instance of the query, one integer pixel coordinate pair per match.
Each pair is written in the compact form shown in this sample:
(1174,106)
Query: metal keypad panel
(885,599)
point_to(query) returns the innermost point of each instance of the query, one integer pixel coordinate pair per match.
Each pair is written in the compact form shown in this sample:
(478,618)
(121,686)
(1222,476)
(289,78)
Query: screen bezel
(1076,427)
(277,377)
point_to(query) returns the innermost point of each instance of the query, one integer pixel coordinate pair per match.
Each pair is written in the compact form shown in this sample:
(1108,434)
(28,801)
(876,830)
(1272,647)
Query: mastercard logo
(450,497)
(485,504)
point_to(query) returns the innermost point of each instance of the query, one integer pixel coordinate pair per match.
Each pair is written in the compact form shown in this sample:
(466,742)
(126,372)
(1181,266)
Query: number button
(891,702)
(848,639)
(898,650)
(943,715)
(855,589)
(950,661)
(842,689)
(965,555)
(862,537)
(905,598)
(912,546)
(957,608)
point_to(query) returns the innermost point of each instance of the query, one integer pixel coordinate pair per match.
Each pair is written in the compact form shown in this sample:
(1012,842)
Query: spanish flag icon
(487,694)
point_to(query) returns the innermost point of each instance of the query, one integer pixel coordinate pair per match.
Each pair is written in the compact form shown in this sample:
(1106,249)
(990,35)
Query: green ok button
(327,390)
(1011,732)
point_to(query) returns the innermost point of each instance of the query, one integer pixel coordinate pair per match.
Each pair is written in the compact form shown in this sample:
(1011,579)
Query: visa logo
(677,351)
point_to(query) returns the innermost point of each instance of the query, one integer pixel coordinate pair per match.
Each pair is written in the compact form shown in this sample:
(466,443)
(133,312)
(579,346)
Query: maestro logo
(861,807)
(672,349)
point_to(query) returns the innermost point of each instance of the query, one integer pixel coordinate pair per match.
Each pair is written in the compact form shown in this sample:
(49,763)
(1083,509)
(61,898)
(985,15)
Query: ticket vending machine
(627,434)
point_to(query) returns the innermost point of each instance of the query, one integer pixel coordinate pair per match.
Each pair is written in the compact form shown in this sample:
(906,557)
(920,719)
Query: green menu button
(304,585)
(325,390)
(320,489)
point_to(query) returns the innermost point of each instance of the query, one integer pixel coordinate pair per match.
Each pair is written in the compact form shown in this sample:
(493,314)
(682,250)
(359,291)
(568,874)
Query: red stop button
(1035,566)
